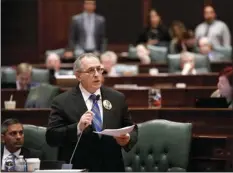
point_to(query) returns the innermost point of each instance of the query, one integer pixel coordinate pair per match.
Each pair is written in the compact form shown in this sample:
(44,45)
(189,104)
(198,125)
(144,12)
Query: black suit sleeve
(59,131)
(127,121)
(102,35)
(73,35)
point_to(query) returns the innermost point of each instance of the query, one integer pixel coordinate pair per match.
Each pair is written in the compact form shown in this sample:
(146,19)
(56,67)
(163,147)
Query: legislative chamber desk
(209,79)
(212,131)
(184,97)
(135,97)
(144,68)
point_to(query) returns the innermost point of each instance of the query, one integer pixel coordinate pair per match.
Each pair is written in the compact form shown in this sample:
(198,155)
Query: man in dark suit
(86,108)
(23,78)
(87,30)
(12,138)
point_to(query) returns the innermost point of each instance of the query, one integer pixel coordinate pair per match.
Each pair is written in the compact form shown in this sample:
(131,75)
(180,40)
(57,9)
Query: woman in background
(156,33)
(225,85)
(182,39)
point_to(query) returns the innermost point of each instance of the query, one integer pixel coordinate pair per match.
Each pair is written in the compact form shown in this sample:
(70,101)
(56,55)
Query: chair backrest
(8,75)
(35,138)
(40,75)
(225,50)
(202,63)
(132,52)
(158,54)
(41,96)
(162,146)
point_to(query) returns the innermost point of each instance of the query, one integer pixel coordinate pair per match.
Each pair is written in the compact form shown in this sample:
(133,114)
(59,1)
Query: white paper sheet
(116,132)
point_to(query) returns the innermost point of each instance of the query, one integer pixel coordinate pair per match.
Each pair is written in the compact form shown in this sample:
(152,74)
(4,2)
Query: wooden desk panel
(146,80)
(184,97)
(212,131)
(134,97)
(19,96)
(205,121)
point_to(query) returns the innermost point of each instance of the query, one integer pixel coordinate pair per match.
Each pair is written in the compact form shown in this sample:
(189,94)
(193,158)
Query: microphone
(70,165)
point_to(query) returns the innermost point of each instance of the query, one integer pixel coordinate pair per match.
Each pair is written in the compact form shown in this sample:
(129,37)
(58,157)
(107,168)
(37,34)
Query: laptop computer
(211,102)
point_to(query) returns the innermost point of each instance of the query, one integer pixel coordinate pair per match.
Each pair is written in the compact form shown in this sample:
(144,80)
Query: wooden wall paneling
(54,23)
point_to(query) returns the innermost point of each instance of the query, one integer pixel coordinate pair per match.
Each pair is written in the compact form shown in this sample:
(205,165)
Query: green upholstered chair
(162,146)
(158,54)
(202,63)
(226,51)
(8,75)
(132,52)
(34,137)
(40,75)
(41,96)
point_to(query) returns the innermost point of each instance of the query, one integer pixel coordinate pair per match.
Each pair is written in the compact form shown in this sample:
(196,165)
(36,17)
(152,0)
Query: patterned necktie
(97,117)
(9,166)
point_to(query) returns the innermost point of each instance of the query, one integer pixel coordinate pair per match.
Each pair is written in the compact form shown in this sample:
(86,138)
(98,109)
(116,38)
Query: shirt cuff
(78,130)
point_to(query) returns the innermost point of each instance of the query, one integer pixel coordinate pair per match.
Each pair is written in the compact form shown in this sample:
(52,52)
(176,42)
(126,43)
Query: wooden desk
(133,100)
(212,131)
(205,121)
(19,96)
(184,97)
(210,79)
(144,68)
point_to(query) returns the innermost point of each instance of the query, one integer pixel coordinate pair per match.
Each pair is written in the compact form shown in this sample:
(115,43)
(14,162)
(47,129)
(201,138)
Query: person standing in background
(156,33)
(87,30)
(217,31)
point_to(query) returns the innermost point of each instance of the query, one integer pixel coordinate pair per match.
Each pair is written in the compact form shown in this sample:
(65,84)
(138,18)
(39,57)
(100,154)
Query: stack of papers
(116,132)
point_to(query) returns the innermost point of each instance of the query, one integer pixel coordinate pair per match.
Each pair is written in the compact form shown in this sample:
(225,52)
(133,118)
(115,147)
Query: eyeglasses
(92,70)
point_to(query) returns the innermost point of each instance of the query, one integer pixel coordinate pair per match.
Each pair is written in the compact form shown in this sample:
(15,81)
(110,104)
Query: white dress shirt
(6,153)
(89,25)
(89,103)
(18,87)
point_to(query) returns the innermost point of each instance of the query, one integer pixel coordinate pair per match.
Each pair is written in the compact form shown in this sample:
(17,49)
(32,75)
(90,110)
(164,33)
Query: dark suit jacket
(78,34)
(26,152)
(93,153)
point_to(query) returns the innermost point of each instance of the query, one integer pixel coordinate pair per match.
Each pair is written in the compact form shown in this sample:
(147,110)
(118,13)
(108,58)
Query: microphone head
(97,97)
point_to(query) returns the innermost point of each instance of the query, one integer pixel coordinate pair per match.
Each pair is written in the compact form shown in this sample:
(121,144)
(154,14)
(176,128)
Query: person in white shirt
(216,30)
(12,140)
(53,63)
(143,54)
(109,61)
(187,63)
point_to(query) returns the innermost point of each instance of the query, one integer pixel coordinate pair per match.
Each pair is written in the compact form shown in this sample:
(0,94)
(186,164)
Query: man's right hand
(85,120)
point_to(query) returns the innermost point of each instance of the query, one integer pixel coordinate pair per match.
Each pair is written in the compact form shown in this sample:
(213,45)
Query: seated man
(23,78)
(12,142)
(109,60)
(53,63)
(187,63)
(143,54)
(206,48)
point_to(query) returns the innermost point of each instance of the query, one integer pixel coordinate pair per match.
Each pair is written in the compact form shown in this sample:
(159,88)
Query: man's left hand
(123,139)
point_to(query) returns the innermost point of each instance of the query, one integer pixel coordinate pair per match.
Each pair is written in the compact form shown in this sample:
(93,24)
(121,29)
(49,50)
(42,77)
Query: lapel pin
(107,104)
